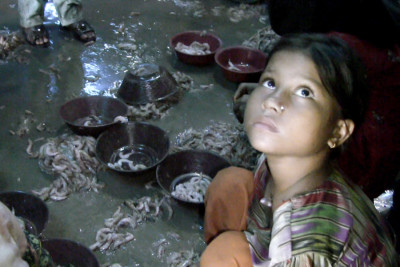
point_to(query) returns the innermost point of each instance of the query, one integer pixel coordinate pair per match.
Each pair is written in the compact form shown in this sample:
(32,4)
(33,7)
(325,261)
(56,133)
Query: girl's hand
(243,89)
(240,99)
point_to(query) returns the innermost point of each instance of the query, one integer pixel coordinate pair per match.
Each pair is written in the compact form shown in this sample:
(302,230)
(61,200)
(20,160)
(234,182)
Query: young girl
(298,210)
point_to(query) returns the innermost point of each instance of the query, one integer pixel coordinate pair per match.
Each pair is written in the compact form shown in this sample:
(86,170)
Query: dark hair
(340,69)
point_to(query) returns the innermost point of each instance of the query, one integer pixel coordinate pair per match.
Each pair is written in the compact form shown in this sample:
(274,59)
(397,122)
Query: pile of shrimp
(264,39)
(195,48)
(184,258)
(140,211)
(183,80)
(8,43)
(192,190)
(227,140)
(72,159)
(154,110)
(245,11)
(27,122)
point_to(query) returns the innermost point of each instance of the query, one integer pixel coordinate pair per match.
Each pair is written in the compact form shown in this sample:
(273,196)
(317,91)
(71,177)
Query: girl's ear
(342,131)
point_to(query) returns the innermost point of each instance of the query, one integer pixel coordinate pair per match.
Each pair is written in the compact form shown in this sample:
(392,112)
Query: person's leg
(31,16)
(31,12)
(227,201)
(70,13)
(229,249)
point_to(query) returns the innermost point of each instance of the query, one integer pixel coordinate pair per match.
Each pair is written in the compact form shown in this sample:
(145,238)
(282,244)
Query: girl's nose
(273,104)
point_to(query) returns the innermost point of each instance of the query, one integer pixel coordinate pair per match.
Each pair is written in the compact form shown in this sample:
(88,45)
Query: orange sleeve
(227,201)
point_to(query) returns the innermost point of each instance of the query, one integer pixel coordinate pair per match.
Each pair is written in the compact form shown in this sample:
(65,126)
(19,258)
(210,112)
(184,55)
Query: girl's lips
(266,123)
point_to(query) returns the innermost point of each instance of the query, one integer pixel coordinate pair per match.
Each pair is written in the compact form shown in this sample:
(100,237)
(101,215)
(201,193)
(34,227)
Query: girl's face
(290,113)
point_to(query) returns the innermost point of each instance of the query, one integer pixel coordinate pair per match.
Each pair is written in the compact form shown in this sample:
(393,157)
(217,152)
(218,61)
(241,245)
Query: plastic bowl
(31,209)
(147,83)
(139,146)
(182,166)
(101,109)
(187,38)
(241,63)
(64,251)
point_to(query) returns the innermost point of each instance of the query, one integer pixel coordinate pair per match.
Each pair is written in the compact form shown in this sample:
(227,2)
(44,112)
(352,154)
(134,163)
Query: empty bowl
(65,252)
(241,63)
(29,208)
(91,115)
(132,147)
(195,47)
(185,175)
(147,83)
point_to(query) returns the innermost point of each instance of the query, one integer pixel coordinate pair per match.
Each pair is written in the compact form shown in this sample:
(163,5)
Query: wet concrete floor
(67,69)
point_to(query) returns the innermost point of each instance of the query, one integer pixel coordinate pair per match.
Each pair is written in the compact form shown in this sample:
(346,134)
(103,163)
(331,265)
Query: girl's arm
(244,89)
(227,201)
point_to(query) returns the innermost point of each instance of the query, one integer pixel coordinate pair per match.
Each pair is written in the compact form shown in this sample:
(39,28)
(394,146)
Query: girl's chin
(263,147)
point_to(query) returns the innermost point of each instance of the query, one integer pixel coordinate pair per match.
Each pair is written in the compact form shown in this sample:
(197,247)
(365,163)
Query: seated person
(298,209)
(372,158)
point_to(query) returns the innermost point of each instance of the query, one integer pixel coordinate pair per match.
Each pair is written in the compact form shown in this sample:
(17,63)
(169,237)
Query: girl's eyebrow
(312,80)
(267,71)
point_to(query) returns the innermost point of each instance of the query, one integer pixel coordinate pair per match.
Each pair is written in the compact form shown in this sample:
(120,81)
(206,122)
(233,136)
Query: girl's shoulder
(338,218)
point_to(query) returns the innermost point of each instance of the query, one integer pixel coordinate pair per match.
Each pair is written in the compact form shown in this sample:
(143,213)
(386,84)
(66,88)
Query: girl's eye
(304,92)
(270,84)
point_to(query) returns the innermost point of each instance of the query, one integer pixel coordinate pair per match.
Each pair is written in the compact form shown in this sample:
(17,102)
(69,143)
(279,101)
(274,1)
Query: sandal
(82,31)
(36,35)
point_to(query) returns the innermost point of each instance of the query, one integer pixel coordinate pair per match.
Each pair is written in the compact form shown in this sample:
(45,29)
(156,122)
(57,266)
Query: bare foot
(82,31)
(36,35)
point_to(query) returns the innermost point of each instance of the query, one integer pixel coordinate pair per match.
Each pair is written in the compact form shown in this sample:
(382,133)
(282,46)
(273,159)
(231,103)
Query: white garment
(12,240)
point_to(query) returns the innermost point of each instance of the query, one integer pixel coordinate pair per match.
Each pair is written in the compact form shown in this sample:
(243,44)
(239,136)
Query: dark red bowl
(106,108)
(64,251)
(188,162)
(148,143)
(147,83)
(241,63)
(191,36)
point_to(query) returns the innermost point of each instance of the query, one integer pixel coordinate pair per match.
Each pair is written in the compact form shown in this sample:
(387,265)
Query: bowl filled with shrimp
(186,174)
(195,47)
(241,63)
(91,115)
(132,147)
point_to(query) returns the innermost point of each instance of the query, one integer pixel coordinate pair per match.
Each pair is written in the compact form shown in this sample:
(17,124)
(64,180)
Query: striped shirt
(333,225)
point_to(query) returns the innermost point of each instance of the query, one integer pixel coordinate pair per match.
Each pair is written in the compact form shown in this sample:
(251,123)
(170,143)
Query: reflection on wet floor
(35,82)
